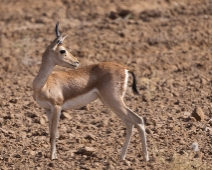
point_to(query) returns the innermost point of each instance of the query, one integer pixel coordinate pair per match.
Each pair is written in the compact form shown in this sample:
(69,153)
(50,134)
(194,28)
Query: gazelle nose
(76,63)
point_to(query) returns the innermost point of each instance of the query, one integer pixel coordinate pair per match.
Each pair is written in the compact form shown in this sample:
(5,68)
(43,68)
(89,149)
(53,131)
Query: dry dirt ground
(167,43)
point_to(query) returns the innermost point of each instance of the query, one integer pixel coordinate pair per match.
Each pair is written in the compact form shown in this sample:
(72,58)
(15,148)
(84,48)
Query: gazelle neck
(45,71)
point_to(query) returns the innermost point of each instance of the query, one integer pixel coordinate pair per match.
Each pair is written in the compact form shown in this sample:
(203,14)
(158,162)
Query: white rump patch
(125,81)
(80,101)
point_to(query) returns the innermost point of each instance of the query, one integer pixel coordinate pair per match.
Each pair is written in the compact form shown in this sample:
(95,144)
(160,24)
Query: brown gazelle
(62,90)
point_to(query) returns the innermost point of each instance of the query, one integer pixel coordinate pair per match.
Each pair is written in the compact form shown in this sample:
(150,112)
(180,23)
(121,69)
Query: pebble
(65,115)
(198,114)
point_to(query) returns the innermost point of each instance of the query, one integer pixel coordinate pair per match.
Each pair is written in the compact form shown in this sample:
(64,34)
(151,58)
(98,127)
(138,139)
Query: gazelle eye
(62,51)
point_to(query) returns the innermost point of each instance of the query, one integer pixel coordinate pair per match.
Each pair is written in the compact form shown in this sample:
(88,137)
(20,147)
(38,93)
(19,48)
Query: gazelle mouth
(74,65)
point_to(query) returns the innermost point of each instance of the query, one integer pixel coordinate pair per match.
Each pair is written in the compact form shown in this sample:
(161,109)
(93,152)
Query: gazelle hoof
(54,156)
(146,158)
(122,158)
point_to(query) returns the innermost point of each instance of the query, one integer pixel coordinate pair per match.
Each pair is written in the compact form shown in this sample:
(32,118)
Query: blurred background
(168,45)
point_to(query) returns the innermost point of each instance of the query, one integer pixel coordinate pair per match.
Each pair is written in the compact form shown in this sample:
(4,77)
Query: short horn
(57,30)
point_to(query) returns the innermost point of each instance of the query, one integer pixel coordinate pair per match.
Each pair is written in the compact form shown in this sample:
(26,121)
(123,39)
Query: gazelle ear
(63,38)
(58,41)
(54,47)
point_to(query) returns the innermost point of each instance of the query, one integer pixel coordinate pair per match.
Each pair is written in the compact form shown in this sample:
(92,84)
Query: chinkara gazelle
(62,90)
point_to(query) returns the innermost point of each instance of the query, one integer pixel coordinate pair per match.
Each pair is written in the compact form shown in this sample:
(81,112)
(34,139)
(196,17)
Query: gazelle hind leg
(129,130)
(129,118)
(139,123)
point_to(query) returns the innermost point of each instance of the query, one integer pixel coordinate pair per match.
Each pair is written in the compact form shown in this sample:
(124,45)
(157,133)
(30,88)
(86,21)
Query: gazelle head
(59,54)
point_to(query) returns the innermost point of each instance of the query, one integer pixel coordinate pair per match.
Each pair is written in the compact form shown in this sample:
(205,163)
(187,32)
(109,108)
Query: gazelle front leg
(55,116)
(49,114)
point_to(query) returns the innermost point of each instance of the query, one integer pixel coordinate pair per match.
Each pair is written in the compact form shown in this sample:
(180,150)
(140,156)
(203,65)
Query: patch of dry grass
(185,161)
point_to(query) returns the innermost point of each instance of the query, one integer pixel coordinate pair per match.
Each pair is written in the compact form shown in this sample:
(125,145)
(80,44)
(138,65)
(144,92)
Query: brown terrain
(167,43)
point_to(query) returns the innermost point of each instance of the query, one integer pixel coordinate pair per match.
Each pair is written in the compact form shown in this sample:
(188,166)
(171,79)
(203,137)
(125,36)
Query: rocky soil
(167,43)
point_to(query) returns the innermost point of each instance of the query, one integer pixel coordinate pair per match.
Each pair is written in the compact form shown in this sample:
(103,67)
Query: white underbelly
(80,101)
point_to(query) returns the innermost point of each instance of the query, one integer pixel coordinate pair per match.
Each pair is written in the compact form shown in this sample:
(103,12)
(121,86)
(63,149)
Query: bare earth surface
(167,43)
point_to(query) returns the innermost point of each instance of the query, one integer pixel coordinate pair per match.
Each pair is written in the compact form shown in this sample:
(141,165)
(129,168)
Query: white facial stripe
(62,48)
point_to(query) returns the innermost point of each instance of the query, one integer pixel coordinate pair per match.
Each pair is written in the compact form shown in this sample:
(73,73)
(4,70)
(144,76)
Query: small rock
(198,155)
(32,153)
(127,163)
(171,125)
(89,149)
(65,115)
(96,163)
(9,116)
(149,121)
(182,142)
(3,131)
(111,167)
(193,129)
(159,125)
(36,120)
(175,128)
(17,156)
(51,164)
(186,114)
(210,122)
(198,114)
(85,167)
(42,121)
(148,131)
(86,151)
(195,146)
(90,137)
(157,130)
(62,137)
(84,156)
(72,154)
(113,15)
(169,82)
(193,119)
(203,81)
(45,146)
(207,129)
(2,103)
(30,114)
(175,94)
(14,101)
(71,136)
